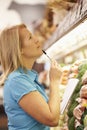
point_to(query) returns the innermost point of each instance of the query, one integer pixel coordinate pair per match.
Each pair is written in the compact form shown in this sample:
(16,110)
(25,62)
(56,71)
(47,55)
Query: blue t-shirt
(18,84)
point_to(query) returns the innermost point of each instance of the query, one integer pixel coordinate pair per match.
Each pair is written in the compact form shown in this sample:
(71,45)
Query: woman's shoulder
(13,75)
(21,75)
(16,75)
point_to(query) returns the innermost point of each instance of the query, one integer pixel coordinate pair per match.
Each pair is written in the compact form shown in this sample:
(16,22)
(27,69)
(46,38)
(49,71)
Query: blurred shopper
(26,103)
(43,78)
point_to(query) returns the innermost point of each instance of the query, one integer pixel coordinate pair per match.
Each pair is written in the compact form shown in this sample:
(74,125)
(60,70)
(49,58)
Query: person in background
(25,101)
(43,78)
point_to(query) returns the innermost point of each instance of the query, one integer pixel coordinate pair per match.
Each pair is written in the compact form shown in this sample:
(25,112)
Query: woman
(26,104)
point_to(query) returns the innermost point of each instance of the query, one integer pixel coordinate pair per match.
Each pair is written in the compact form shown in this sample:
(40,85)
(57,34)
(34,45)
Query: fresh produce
(85,121)
(71,108)
(84,118)
(81,127)
(82,68)
(71,123)
(74,103)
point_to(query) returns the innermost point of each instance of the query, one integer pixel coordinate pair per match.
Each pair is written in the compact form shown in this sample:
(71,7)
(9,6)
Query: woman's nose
(36,40)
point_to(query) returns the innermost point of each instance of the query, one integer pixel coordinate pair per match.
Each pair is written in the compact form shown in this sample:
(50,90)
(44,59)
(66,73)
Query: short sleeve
(20,86)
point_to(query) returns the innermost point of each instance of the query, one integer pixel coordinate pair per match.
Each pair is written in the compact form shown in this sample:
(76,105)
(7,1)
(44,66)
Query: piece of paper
(72,83)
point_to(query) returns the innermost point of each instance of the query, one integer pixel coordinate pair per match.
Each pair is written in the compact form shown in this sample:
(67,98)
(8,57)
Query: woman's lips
(38,47)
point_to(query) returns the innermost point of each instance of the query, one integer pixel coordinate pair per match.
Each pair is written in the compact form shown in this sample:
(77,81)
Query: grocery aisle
(62,29)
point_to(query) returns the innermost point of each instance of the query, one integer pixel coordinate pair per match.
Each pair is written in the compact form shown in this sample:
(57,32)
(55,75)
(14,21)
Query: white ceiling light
(5,4)
(9,18)
(33,2)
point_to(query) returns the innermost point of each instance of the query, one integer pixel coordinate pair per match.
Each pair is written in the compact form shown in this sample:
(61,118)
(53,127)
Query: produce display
(75,115)
(77,109)
(66,71)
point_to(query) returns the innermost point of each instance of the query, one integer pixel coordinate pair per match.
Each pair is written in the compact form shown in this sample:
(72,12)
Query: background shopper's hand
(55,72)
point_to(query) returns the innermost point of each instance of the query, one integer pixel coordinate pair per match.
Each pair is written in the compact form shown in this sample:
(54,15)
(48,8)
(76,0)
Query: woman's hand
(55,72)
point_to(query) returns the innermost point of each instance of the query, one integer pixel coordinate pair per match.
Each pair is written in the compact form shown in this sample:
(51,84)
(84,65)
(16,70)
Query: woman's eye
(30,37)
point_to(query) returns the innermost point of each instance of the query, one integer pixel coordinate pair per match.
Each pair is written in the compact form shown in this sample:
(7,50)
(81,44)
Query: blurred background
(61,25)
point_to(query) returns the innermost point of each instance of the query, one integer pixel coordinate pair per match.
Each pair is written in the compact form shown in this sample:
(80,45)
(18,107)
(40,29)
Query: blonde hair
(10,50)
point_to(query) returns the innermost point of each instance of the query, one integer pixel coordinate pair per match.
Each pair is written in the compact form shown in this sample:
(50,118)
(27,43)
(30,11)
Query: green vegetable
(71,123)
(82,68)
(81,127)
(78,87)
(85,121)
(75,96)
(83,117)
(71,108)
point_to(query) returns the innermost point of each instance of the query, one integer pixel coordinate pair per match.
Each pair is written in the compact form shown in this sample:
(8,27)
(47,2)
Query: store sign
(84,6)
(75,16)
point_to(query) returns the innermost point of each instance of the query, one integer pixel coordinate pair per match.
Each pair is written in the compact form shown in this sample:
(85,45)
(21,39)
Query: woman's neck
(28,63)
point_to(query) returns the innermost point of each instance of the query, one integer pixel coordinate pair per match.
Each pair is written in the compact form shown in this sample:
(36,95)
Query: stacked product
(77,109)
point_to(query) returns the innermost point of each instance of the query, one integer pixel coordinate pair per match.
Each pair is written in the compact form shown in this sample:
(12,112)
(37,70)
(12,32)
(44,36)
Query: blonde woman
(26,103)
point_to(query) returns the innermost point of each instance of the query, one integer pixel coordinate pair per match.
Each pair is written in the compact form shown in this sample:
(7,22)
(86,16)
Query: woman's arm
(35,105)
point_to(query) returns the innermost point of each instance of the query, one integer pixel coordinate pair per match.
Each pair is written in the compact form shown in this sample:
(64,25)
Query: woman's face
(31,47)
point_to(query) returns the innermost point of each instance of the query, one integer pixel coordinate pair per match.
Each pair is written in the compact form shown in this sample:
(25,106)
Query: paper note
(72,83)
